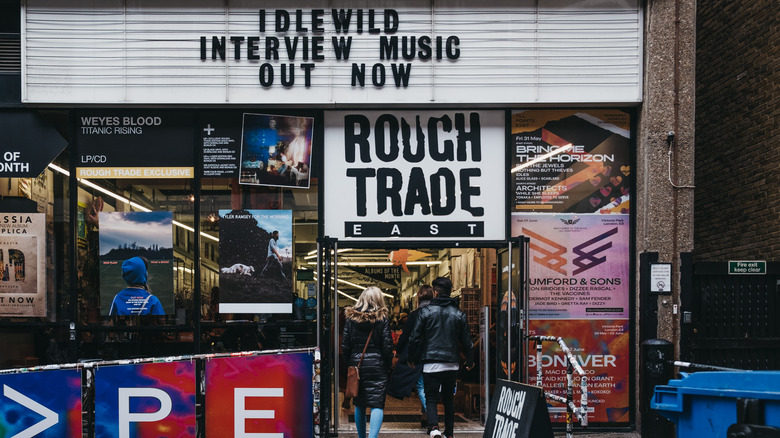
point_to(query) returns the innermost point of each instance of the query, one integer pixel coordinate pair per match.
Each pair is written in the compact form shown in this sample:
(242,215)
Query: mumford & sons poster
(255,261)
(124,235)
(23,264)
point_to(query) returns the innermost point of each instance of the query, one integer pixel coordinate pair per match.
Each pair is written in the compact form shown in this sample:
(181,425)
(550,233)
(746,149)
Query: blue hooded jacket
(135,300)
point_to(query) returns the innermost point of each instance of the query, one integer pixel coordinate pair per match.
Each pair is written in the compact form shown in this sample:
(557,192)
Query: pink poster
(579,267)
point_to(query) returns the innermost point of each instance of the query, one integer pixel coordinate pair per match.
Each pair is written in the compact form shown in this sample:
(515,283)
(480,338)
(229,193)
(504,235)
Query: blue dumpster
(705,404)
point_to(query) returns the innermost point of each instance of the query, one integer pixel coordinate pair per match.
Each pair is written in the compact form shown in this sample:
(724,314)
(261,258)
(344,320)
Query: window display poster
(49,397)
(571,161)
(145,400)
(23,264)
(268,395)
(148,235)
(255,261)
(579,267)
(276,150)
(602,349)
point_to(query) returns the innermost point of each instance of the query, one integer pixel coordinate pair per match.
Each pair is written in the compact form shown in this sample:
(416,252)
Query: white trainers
(435,433)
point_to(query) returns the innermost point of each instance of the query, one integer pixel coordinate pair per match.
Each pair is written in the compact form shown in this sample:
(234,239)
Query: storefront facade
(201,136)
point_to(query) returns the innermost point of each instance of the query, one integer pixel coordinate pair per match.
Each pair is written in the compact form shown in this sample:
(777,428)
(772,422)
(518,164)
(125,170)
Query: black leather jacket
(378,358)
(441,334)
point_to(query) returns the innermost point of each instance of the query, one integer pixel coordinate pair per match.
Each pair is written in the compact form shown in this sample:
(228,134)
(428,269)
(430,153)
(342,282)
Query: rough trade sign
(415,176)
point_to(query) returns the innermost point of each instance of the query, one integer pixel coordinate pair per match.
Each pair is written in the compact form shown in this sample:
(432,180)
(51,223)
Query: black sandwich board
(517,411)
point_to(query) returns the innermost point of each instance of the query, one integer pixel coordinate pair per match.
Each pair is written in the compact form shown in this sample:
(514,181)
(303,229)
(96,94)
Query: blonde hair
(370,300)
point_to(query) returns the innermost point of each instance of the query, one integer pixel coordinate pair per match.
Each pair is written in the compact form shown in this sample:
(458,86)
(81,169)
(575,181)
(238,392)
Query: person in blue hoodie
(135,299)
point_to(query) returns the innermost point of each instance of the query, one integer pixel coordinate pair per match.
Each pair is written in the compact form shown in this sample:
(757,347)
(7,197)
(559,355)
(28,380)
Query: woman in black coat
(369,313)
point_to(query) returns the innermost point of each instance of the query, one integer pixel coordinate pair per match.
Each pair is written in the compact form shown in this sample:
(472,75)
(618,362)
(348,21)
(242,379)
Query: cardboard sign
(517,411)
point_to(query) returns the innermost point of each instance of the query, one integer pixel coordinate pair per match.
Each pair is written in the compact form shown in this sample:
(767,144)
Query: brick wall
(737,198)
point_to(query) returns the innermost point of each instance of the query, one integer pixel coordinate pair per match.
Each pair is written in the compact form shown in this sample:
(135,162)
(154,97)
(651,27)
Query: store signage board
(330,52)
(414,176)
(29,144)
(747,267)
(135,144)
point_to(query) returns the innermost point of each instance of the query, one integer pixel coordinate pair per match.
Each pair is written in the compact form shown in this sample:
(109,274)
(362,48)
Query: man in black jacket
(439,336)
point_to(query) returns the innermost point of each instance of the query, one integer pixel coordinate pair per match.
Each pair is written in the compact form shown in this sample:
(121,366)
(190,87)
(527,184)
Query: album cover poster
(148,235)
(571,161)
(276,150)
(579,267)
(255,261)
(23,264)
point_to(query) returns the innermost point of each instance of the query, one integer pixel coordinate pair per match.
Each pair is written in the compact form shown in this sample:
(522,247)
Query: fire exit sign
(747,267)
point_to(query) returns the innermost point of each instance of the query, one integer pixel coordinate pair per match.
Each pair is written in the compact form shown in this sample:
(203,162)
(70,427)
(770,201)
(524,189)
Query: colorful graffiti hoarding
(259,395)
(44,404)
(145,400)
(604,354)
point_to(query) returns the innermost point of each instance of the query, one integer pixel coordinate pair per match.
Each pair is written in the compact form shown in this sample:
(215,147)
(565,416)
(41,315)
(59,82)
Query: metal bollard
(655,369)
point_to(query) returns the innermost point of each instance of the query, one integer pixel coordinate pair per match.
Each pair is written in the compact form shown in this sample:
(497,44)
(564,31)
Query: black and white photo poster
(415,175)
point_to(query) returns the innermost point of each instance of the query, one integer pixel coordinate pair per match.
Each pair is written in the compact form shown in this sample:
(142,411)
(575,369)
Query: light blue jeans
(421,391)
(377,415)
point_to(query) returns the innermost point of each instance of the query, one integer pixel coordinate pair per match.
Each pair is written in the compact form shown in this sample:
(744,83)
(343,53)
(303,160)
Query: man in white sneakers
(439,336)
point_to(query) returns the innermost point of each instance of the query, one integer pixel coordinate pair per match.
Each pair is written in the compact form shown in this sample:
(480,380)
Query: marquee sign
(417,176)
(330,52)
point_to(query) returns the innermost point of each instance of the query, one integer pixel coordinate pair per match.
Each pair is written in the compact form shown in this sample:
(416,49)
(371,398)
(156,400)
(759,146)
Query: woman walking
(366,327)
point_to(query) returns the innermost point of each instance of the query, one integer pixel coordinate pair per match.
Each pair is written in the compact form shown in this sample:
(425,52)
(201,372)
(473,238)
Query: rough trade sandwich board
(517,411)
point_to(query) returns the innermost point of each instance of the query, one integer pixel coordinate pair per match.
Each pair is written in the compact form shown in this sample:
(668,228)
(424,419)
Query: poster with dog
(255,261)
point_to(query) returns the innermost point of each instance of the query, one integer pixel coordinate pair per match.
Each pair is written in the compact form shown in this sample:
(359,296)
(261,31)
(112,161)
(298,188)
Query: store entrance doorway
(342,274)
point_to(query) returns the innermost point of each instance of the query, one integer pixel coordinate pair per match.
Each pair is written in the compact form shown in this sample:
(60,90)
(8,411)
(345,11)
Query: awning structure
(28,143)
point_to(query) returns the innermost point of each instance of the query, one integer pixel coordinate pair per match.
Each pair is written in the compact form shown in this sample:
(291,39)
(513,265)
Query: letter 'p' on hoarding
(146,400)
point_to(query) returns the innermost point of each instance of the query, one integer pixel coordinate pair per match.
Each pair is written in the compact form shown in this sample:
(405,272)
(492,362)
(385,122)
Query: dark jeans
(440,386)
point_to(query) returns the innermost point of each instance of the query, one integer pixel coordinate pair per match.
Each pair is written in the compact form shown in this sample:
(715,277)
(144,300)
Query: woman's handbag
(353,373)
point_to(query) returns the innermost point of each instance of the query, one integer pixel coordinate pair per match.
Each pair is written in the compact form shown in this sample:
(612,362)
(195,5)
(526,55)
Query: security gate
(730,320)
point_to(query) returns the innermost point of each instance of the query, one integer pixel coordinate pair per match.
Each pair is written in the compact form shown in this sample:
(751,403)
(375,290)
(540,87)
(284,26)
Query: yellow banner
(135,172)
